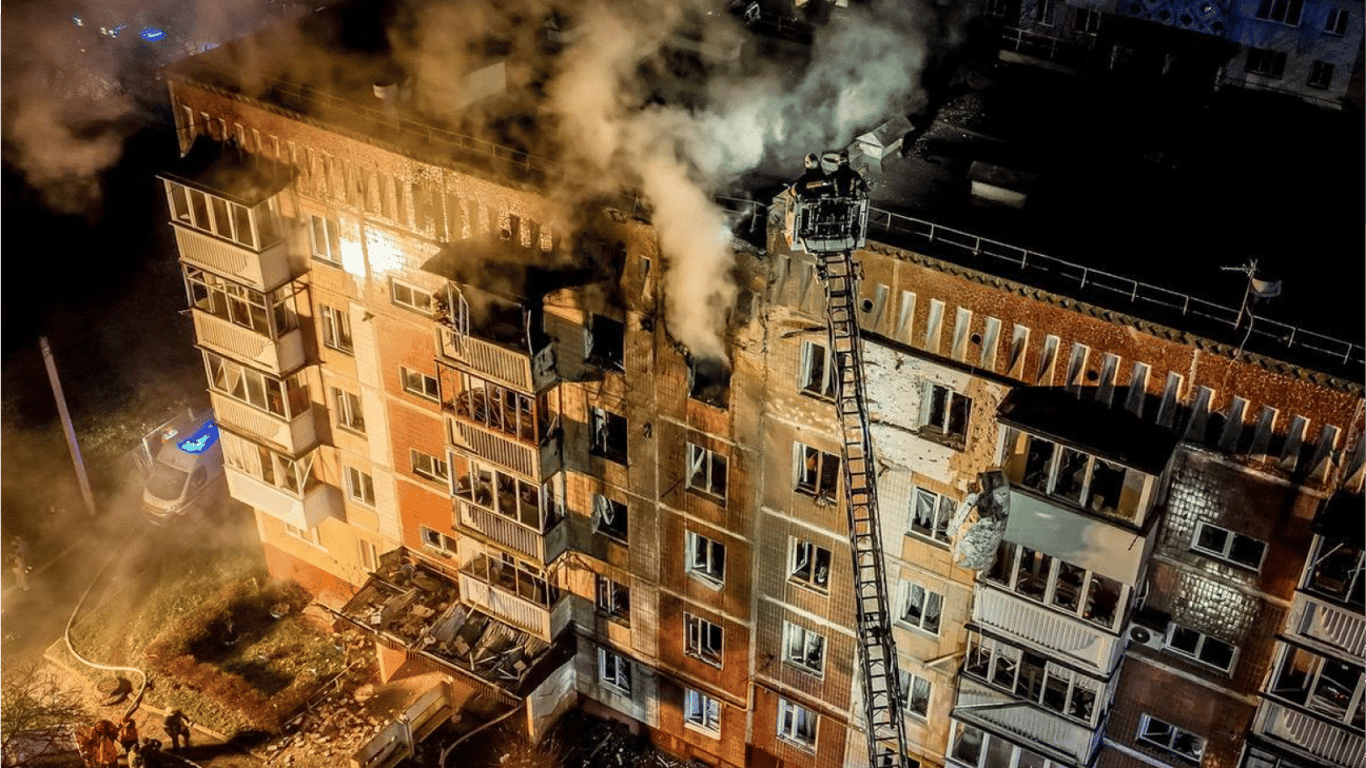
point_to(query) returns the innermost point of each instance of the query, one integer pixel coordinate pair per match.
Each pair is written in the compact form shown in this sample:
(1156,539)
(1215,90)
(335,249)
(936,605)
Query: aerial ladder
(828,218)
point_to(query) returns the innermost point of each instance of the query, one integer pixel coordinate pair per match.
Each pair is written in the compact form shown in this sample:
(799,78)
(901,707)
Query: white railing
(500,449)
(503,531)
(1330,743)
(504,366)
(505,606)
(291,436)
(1340,628)
(1029,723)
(278,356)
(265,270)
(321,502)
(1077,641)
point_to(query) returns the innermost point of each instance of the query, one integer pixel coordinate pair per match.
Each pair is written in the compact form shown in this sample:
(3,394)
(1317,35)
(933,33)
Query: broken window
(947,415)
(1223,544)
(915,694)
(609,518)
(930,514)
(613,599)
(1169,738)
(1326,685)
(438,541)
(607,343)
(920,608)
(286,398)
(608,435)
(803,648)
(1094,484)
(817,472)
(1201,647)
(810,564)
(702,711)
(702,639)
(706,471)
(817,375)
(1032,677)
(709,381)
(410,296)
(1065,587)
(1032,575)
(269,314)
(706,558)
(496,407)
(614,670)
(1337,571)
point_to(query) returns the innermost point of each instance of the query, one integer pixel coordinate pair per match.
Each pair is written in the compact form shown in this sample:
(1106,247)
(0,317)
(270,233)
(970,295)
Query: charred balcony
(514,430)
(514,513)
(224,214)
(409,604)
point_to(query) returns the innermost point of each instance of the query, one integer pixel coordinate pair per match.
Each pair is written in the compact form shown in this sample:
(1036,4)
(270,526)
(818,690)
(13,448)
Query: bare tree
(36,716)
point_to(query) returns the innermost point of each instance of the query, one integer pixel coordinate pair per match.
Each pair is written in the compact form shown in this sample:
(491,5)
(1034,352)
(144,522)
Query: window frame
(1312,682)
(1280,12)
(906,685)
(797,725)
(1045,480)
(797,649)
(704,640)
(1202,640)
(349,409)
(938,413)
(991,661)
(1320,75)
(805,555)
(605,512)
(1009,555)
(807,384)
(1142,737)
(613,357)
(702,712)
(360,486)
(1263,62)
(706,559)
(908,588)
(608,435)
(613,599)
(419,384)
(704,462)
(940,515)
(331,239)
(436,469)
(614,671)
(395,284)
(1225,556)
(1336,21)
(437,541)
(336,329)
(811,472)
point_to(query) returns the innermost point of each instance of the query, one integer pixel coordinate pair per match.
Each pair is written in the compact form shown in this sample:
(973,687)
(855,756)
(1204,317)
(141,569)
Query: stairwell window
(817,375)
(607,435)
(706,558)
(816,472)
(803,648)
(1200,647)
(930,514)
(706,471)
(810,565)
(946,416)
(702,711)
(1223,544)
(1168,738)
(703,639)
(921,608)
(796,724)
(609,518)
(360,487)
(613,599)
(614,670)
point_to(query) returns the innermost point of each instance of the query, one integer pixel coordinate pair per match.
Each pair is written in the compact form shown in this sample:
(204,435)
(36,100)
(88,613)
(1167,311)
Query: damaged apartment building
(454,405)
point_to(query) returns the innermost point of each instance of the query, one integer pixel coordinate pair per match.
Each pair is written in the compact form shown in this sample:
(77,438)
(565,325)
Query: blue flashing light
(114,32)
(201,439)
(152,34)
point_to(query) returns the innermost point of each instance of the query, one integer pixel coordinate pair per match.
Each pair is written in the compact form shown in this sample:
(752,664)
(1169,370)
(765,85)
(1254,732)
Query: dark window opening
(709,381)
(607,343)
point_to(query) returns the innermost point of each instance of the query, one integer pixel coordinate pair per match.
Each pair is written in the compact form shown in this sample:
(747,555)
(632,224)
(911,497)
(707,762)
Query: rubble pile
(337,723)
(609,744)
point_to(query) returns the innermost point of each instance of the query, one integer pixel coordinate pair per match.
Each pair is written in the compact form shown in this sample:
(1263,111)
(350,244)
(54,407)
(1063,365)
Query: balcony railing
(319,503)
(279,356)
(1332,744)
(263,270)
(1341,628)
(542,548)
(504,604)
(535,462)
(1077,641)
(1028,724)
(291,436)
(512,368)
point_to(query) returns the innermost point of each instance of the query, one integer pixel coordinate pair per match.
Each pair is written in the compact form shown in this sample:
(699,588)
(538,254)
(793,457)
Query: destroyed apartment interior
(543,368)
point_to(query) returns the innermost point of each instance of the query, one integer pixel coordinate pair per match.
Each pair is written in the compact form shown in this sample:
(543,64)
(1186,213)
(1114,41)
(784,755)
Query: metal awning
(1078,420)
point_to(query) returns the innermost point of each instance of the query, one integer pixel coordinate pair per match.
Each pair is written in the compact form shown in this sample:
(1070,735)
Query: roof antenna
(1257,288)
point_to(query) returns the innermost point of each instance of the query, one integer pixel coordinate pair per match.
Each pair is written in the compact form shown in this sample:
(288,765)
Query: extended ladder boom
(882,704)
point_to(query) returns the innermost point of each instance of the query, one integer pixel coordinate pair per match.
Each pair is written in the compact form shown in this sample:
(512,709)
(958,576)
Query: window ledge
(351,430)
(702,657)
(328,262)
(703,730)
(796,582)
(707,581)
(918,536)
(939,437)
(708,495)
(818,674)
(611,537)
(802,745)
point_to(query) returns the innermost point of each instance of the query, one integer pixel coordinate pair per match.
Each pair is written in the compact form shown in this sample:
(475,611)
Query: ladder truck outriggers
(828,218)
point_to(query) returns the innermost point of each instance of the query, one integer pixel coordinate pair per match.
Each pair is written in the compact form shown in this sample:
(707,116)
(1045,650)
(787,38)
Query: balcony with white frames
(535,462)
(507,595)
(510,534)
(290,436)
(1031,726)
(279,356)
(1341,628)
(1071,640)
(507,366)
(1331,744)
(306,511)
(264,270)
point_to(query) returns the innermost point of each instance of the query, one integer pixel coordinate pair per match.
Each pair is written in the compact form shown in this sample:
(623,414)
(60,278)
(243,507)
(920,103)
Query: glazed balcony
(264,269)
(304,511)
(510,534)
(1037,728)
(514,596)
(1331,744)
(1341,628)
(511,366)
(278,355)
(1074,640)
(290,434)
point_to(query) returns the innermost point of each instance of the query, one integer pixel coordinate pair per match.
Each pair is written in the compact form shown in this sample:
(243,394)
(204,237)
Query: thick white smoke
(865,67)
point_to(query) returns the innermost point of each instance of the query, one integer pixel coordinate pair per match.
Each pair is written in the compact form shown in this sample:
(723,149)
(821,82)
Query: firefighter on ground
(128,734)
(177,727)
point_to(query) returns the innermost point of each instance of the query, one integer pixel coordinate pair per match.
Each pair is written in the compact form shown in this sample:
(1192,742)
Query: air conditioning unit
(1146,636)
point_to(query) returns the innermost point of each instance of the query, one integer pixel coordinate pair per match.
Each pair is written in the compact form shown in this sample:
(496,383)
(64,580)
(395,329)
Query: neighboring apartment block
(455,408)
(1309,49)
